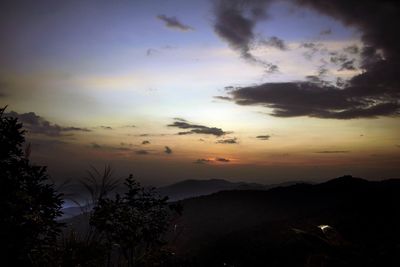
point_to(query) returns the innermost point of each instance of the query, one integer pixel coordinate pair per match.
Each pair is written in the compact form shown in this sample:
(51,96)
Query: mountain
(343,222)
(184,189)
(193,188)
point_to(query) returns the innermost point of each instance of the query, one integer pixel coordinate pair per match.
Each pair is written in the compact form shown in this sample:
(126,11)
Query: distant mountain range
(194,188)
(191,188)
(346,221)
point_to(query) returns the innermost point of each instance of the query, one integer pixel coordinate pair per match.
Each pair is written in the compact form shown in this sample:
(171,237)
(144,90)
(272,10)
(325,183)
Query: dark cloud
(124,144)
(106,127)
(263,137)
(333,151)
(227,141)
(202,161)
(222,97)
(195,128)
(311,49)
(142,152)
(222,160)
(168,150)
(38,125)
(352,49)
(314,100)
(206,161)
(372,93)
(235,21)
(348,65)
(326,32)
(96,146)
(275,42)
(174,23)
(145,142)
(379,82)
(110,148)
(150,52)
(343,61)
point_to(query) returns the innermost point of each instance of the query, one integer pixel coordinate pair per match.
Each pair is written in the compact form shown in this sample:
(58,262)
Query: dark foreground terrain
(343,222)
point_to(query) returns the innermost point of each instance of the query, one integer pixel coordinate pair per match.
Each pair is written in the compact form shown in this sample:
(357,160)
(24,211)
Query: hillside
(193,188)
(358,223)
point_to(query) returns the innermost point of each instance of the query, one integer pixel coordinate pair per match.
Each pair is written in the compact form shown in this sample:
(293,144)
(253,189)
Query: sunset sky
(258,91)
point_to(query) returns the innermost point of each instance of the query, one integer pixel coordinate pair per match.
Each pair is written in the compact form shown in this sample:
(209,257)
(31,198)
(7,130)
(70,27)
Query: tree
(133,224)
(29,204)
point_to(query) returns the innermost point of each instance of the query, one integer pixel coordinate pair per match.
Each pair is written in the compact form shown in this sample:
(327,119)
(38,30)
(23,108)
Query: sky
(246,90)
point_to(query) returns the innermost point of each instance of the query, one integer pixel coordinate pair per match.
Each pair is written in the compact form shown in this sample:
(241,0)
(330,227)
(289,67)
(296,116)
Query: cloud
(352,49)
(222,160)
(145,142)
(275,42)
(167,150)
(151,51)
(195,128)
(343,60)
(174,23)
(326,32)
(214,160)
(263,137)
(202,161)
(106,127)
(95,145)
(227,141)
(379,81)
(333,151)
(142,152)
(294,99)
(38,125)
(222,97)
(311,48)
(235,21)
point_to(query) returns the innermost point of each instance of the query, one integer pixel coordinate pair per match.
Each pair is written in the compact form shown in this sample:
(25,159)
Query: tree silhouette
(133,224)
(29,204)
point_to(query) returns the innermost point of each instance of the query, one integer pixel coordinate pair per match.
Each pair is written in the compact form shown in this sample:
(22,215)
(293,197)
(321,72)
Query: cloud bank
(38,125)
(372,93)
(195,128)
(174,23)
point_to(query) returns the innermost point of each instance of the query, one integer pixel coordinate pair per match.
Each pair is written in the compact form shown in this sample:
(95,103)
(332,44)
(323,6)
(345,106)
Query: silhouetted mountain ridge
(243,228)
(193,188)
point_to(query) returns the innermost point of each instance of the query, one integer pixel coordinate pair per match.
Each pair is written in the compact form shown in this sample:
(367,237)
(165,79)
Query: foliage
(29,204)
(99,185)
(133,224)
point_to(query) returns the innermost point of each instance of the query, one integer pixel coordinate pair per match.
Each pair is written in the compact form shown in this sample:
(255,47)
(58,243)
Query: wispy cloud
(202,161)
(38,125)
(142,152)
(211,160)
(333,152)
(174,23)
(227,141)
(263,137)
(196,128)
(167,150)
